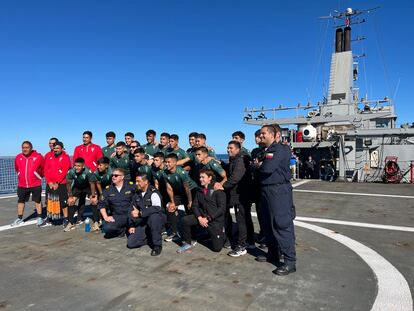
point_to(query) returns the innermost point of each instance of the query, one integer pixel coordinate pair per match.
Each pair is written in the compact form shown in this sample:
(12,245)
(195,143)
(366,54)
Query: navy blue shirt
(275,167)
(118,202)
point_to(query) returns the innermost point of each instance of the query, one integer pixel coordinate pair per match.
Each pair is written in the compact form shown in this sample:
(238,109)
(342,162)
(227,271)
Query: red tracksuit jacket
(90,153)
(56,168)
(29,169)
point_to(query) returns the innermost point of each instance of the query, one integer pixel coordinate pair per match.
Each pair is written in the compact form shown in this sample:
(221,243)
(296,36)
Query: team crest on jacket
(269,156)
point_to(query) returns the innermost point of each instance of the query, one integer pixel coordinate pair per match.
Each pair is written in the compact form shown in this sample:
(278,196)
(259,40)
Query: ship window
(338,96)
(381,123)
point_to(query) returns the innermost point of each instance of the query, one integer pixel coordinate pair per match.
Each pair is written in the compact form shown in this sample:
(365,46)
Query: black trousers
(244,223)
(214,229)
(173,217)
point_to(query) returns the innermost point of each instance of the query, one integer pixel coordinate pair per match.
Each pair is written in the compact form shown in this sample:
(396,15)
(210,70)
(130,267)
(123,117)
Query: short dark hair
(192,134)
(159,155)
(136,142)
(28,143)
(151,132)
(209,173)
(239,133)
(257,133)
(110,134)
(139,150)
(174,137)
(87,133)
(54,138)
(203,149)
(201,135)
(272,128)
(80,160)
(235,143)
(120,144)
(130,134)
(172,156)
(165,135)
(58,143)
(143,176)
(103,160)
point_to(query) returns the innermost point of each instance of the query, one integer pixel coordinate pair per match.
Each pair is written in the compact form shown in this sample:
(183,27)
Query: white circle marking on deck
(393,290)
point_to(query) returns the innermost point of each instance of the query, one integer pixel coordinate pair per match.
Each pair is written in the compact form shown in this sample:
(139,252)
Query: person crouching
(208,207)
(146,213)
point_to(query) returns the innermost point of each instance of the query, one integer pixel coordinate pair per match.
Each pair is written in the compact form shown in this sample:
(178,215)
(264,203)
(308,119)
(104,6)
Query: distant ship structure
(356,136)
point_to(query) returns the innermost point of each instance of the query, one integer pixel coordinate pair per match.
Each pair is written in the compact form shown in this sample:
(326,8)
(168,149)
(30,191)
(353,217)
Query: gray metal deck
(48,269)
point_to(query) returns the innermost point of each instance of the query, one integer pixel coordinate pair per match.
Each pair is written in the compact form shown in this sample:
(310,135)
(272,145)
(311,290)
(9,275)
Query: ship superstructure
(357,136)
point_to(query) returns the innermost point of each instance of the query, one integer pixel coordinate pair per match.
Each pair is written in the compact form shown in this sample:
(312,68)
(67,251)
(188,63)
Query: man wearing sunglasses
(115,204)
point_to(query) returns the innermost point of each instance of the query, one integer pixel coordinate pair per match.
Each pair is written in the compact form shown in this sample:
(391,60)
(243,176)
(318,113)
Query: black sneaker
(238,251)
(156,251)
(285,269)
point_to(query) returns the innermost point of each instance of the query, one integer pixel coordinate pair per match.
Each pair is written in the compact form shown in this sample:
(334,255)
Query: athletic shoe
(193,243)
(238,251)
(39,221)
(79,222)
(17,222)
(45,223)
(69,227)
(185,248)
(95,226)
(172,237)
(65,223)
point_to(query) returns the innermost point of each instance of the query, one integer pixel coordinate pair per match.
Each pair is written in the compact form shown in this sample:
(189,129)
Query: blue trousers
(278,215)
(151,225)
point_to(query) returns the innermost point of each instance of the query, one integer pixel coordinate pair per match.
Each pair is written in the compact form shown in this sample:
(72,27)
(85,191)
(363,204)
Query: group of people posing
(158,191)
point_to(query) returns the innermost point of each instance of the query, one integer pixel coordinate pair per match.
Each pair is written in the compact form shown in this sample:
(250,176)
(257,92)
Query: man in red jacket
(90,152)
(29,168)
(56,167)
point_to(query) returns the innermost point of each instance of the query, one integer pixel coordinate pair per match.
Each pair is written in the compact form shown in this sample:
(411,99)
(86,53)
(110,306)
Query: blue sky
(180,66)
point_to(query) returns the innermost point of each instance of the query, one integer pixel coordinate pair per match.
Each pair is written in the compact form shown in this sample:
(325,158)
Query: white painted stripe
(393,290)
(355,224)
(358,194)
(8,196)
(299,183)
(15,196)
(26,223)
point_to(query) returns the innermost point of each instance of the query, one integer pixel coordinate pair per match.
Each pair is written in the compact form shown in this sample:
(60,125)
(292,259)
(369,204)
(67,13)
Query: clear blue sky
(180,66)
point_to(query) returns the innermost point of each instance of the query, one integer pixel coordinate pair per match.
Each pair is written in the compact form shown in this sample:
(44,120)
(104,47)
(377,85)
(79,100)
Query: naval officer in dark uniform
(116,199)
(146,212)
(277,200)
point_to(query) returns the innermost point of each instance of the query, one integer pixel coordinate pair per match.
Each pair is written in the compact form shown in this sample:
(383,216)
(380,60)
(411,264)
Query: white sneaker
(17,222)
(69,227)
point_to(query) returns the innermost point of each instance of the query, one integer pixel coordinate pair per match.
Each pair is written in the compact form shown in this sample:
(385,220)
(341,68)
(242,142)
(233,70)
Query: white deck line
(26,223)
(299,183)
(355,224)
(393,290)
(357,194)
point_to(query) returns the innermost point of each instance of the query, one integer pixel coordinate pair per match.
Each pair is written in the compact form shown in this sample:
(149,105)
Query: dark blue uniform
(277,202)
(118,203)
(151,217)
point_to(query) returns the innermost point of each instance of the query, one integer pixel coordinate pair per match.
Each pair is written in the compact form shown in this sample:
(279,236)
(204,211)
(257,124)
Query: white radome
(349,11)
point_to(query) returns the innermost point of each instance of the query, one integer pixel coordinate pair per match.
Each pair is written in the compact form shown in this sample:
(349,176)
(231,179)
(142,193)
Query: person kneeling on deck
(209,207)
(146,216)
(80,182)
(116,198)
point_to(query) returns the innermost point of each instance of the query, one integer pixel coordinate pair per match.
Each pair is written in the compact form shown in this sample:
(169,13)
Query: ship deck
(355,247)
